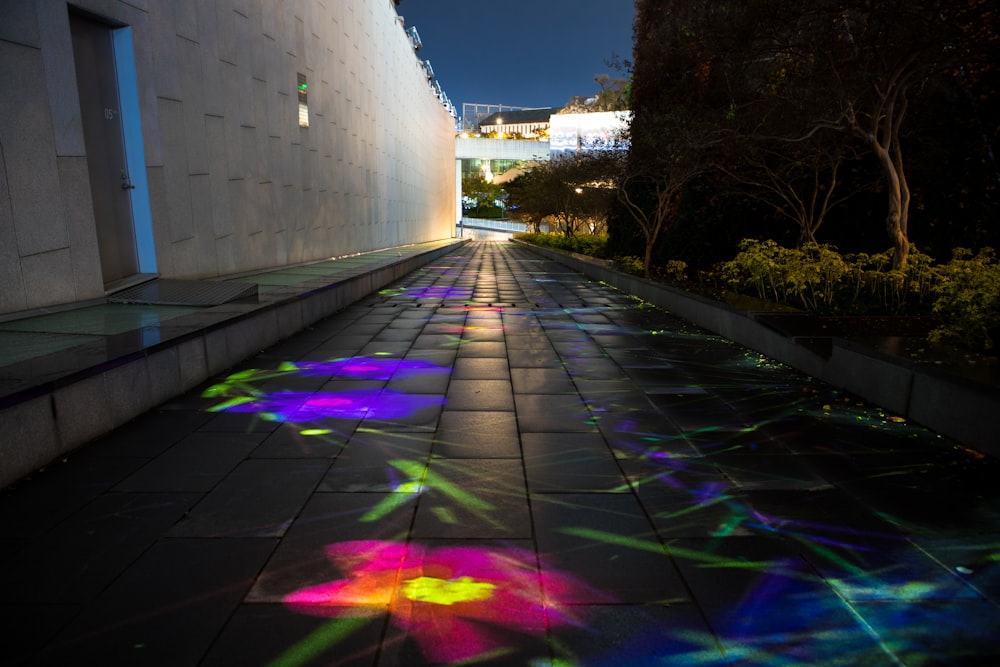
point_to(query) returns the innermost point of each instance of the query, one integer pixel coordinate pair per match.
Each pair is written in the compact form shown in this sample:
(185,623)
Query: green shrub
(629,264)
(593,245)
(968,297)
(674,271)
(819,279)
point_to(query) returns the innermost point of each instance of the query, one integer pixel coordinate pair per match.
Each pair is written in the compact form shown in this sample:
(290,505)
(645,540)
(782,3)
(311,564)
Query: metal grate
(168,292)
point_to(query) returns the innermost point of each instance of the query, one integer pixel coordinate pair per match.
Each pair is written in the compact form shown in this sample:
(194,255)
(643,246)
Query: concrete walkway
(496,461)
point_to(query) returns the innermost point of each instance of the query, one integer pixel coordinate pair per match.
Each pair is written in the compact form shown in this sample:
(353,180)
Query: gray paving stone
(259,498)
(473,498)
(196,463)
(571,463)
(677,498)
(480,395)
(477,435)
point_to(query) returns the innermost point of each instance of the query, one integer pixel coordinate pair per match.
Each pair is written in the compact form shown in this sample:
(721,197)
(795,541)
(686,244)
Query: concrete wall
(234,183)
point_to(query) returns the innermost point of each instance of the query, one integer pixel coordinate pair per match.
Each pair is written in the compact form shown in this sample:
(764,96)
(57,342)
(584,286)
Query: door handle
(126,183)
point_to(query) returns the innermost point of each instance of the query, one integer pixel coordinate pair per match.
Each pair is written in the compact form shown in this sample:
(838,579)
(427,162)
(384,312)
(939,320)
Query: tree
(854,67)
(672,136)
(574,191)
(475,187)
(801,178)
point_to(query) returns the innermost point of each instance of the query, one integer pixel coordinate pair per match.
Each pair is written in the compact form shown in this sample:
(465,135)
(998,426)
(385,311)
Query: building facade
(197,139)
(524,123)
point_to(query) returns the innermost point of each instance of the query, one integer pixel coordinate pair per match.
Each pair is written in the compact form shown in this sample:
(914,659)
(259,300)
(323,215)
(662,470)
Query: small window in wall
(303,87)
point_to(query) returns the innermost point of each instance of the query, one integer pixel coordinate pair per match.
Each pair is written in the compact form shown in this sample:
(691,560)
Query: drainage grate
(168,292)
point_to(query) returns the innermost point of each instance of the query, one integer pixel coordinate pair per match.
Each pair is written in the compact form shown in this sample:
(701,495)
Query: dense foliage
(860,123)
(800,151)
(592,245)
(964,293)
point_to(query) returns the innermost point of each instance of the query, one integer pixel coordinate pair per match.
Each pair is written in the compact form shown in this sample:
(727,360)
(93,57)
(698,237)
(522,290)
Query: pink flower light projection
(457,603)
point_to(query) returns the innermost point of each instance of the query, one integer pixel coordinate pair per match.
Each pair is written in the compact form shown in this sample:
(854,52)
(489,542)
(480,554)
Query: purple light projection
(240,393)
(371,368)
(299,406)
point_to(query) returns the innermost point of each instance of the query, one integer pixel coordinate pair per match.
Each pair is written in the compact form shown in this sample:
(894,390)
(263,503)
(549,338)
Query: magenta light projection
(241,392)
(460,604)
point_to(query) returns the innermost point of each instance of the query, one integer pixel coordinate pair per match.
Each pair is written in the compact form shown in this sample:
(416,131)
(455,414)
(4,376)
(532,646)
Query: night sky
(526,53)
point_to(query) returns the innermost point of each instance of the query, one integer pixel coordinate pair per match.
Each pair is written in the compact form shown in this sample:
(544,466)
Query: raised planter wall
(952,406)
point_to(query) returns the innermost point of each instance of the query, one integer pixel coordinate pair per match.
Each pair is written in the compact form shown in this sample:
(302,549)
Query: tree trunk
(647,261)
(806,233)
(899,201)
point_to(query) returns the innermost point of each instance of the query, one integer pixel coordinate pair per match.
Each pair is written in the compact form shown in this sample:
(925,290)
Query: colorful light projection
(417,479)
(460,604)
(240,391)
(370,368)
(435,292)
(300,406)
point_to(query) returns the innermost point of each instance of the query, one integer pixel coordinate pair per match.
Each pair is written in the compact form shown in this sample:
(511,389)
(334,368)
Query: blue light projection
(240,392)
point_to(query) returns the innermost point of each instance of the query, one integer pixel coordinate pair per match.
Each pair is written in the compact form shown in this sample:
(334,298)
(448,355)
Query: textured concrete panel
(201,217)
(29,152)
(60,77)
(30,438)
(193,93)
(19,24)
(48,278)
(192,362)
(12,295)
(82,411)
(217,357)
(185,257)
(878,378)
(175,169)
(128,389)
(160,211)
(74,184)
(186,19)
(164,375)
(164,40)
(225,42)
(215,133)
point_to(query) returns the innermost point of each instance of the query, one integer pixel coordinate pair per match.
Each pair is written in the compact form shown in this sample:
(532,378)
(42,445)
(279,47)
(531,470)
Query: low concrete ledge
(45,422)
(877,377)
(965,411)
